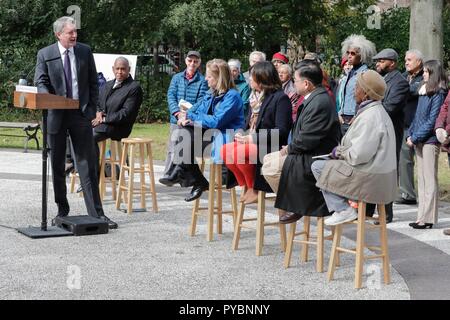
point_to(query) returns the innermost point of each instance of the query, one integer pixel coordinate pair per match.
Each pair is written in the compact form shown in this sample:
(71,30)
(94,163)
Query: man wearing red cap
(278,59)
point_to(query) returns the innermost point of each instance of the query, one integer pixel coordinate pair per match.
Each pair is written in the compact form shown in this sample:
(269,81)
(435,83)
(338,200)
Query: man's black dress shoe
(53,222)
(169,181)
(196,192)
(111,224)
(172,177)
(290,217)
(405,201)
(415,225)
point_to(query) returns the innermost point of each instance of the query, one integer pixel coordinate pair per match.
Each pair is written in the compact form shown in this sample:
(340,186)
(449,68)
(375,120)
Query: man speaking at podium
(67,68)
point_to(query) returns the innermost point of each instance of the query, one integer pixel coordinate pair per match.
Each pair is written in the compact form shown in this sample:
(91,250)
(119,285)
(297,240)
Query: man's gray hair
(288,68)
(261,55)
(234,63)
(366,48)
(122,59)
(419,55)
(59,24)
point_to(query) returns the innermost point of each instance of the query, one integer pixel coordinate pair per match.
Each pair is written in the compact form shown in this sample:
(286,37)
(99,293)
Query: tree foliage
(217,28)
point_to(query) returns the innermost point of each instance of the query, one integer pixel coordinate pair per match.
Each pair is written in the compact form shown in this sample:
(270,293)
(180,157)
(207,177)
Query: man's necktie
(68,74)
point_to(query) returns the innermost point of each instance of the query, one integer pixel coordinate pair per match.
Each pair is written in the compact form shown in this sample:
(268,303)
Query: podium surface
(43,101)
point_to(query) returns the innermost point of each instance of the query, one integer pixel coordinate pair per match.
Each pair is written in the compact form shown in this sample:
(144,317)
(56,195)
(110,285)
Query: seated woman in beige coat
(363,167)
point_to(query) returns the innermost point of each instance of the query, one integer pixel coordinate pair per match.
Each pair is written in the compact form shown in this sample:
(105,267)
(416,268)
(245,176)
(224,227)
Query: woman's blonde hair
(221,72)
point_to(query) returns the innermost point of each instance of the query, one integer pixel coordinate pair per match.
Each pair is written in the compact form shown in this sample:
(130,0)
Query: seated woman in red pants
(268,123)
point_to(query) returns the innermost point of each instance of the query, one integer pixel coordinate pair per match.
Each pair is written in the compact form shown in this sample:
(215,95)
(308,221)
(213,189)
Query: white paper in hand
(184,105)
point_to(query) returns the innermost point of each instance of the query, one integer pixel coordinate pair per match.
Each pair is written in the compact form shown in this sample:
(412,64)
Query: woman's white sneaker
(347,215)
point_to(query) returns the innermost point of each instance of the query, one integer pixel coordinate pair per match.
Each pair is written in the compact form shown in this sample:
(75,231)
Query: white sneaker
(347,215)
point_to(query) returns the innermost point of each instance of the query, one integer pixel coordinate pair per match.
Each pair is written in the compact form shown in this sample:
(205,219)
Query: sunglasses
(352,53)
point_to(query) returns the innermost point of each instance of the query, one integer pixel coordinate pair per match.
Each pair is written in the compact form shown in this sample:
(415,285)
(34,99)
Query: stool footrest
(340,249)
(375,256)
(305,242)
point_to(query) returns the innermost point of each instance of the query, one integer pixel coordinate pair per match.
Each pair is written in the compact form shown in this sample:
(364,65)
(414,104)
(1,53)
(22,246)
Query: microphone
(23,81)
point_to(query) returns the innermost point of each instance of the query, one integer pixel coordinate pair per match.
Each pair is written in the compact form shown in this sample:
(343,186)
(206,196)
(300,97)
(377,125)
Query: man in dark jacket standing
(67,68)
(414,76)
(316,132)
(394,101)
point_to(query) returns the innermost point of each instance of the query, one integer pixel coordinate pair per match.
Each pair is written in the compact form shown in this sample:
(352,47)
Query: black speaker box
(82,225)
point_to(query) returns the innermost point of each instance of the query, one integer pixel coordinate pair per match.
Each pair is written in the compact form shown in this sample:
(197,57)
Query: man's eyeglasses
(352,53)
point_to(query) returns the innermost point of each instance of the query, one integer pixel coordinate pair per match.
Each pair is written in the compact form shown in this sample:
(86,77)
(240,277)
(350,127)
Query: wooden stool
(116,150)
(260,224)
(130,147)
(215,187)
(306,241)
(360,244)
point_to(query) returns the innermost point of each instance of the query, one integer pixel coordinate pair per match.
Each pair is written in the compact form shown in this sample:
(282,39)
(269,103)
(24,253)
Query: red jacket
(443,120)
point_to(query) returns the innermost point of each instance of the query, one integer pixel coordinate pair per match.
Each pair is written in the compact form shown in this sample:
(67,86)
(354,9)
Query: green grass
(159,132)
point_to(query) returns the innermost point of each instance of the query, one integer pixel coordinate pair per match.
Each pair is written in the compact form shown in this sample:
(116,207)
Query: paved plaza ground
(152,256)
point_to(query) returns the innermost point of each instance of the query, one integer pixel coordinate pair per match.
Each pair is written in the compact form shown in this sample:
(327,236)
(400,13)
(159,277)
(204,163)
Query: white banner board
(105,61)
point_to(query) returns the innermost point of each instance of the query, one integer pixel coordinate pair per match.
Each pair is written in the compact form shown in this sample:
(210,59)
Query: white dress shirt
(73,68)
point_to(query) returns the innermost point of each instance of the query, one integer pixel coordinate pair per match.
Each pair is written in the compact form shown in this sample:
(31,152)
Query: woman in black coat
(316,132)
(268,123)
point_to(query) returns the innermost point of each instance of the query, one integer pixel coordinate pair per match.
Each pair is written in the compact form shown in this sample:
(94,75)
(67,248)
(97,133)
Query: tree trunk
(425,28)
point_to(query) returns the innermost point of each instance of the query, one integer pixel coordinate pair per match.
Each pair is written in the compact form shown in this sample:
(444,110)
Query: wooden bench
(30,129)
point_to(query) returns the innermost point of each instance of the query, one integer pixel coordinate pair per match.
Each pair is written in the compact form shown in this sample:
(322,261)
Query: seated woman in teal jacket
(221,110)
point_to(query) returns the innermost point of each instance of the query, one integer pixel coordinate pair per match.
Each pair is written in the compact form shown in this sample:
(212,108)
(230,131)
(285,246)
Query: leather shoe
(289,217)
(111,224)
(377,223)
(53,222)
(196,193)
(172,177)
(405,201)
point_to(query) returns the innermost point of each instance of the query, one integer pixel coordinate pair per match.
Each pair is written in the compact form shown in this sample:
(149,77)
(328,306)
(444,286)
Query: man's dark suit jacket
(395,97)
(121,106)
(49,78)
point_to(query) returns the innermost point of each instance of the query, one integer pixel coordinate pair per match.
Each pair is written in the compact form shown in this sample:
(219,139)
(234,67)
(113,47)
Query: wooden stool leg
(212,178)
(102,162)
(152,177)
(282,234)
(72,182)
(320,240)
(142,175)
(219,197)
(306,237)
(290,244)
(237,225)
(122,175)
(195,208)
(131,181)
(384,244)
(334,252)
(234,205)
(260,222)
(360,237)
(113,158)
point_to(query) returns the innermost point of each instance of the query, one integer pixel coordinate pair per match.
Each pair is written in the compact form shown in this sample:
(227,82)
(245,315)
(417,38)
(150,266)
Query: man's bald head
(121,68)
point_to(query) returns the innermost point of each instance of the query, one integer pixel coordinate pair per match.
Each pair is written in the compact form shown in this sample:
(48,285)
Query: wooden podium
(44,102)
